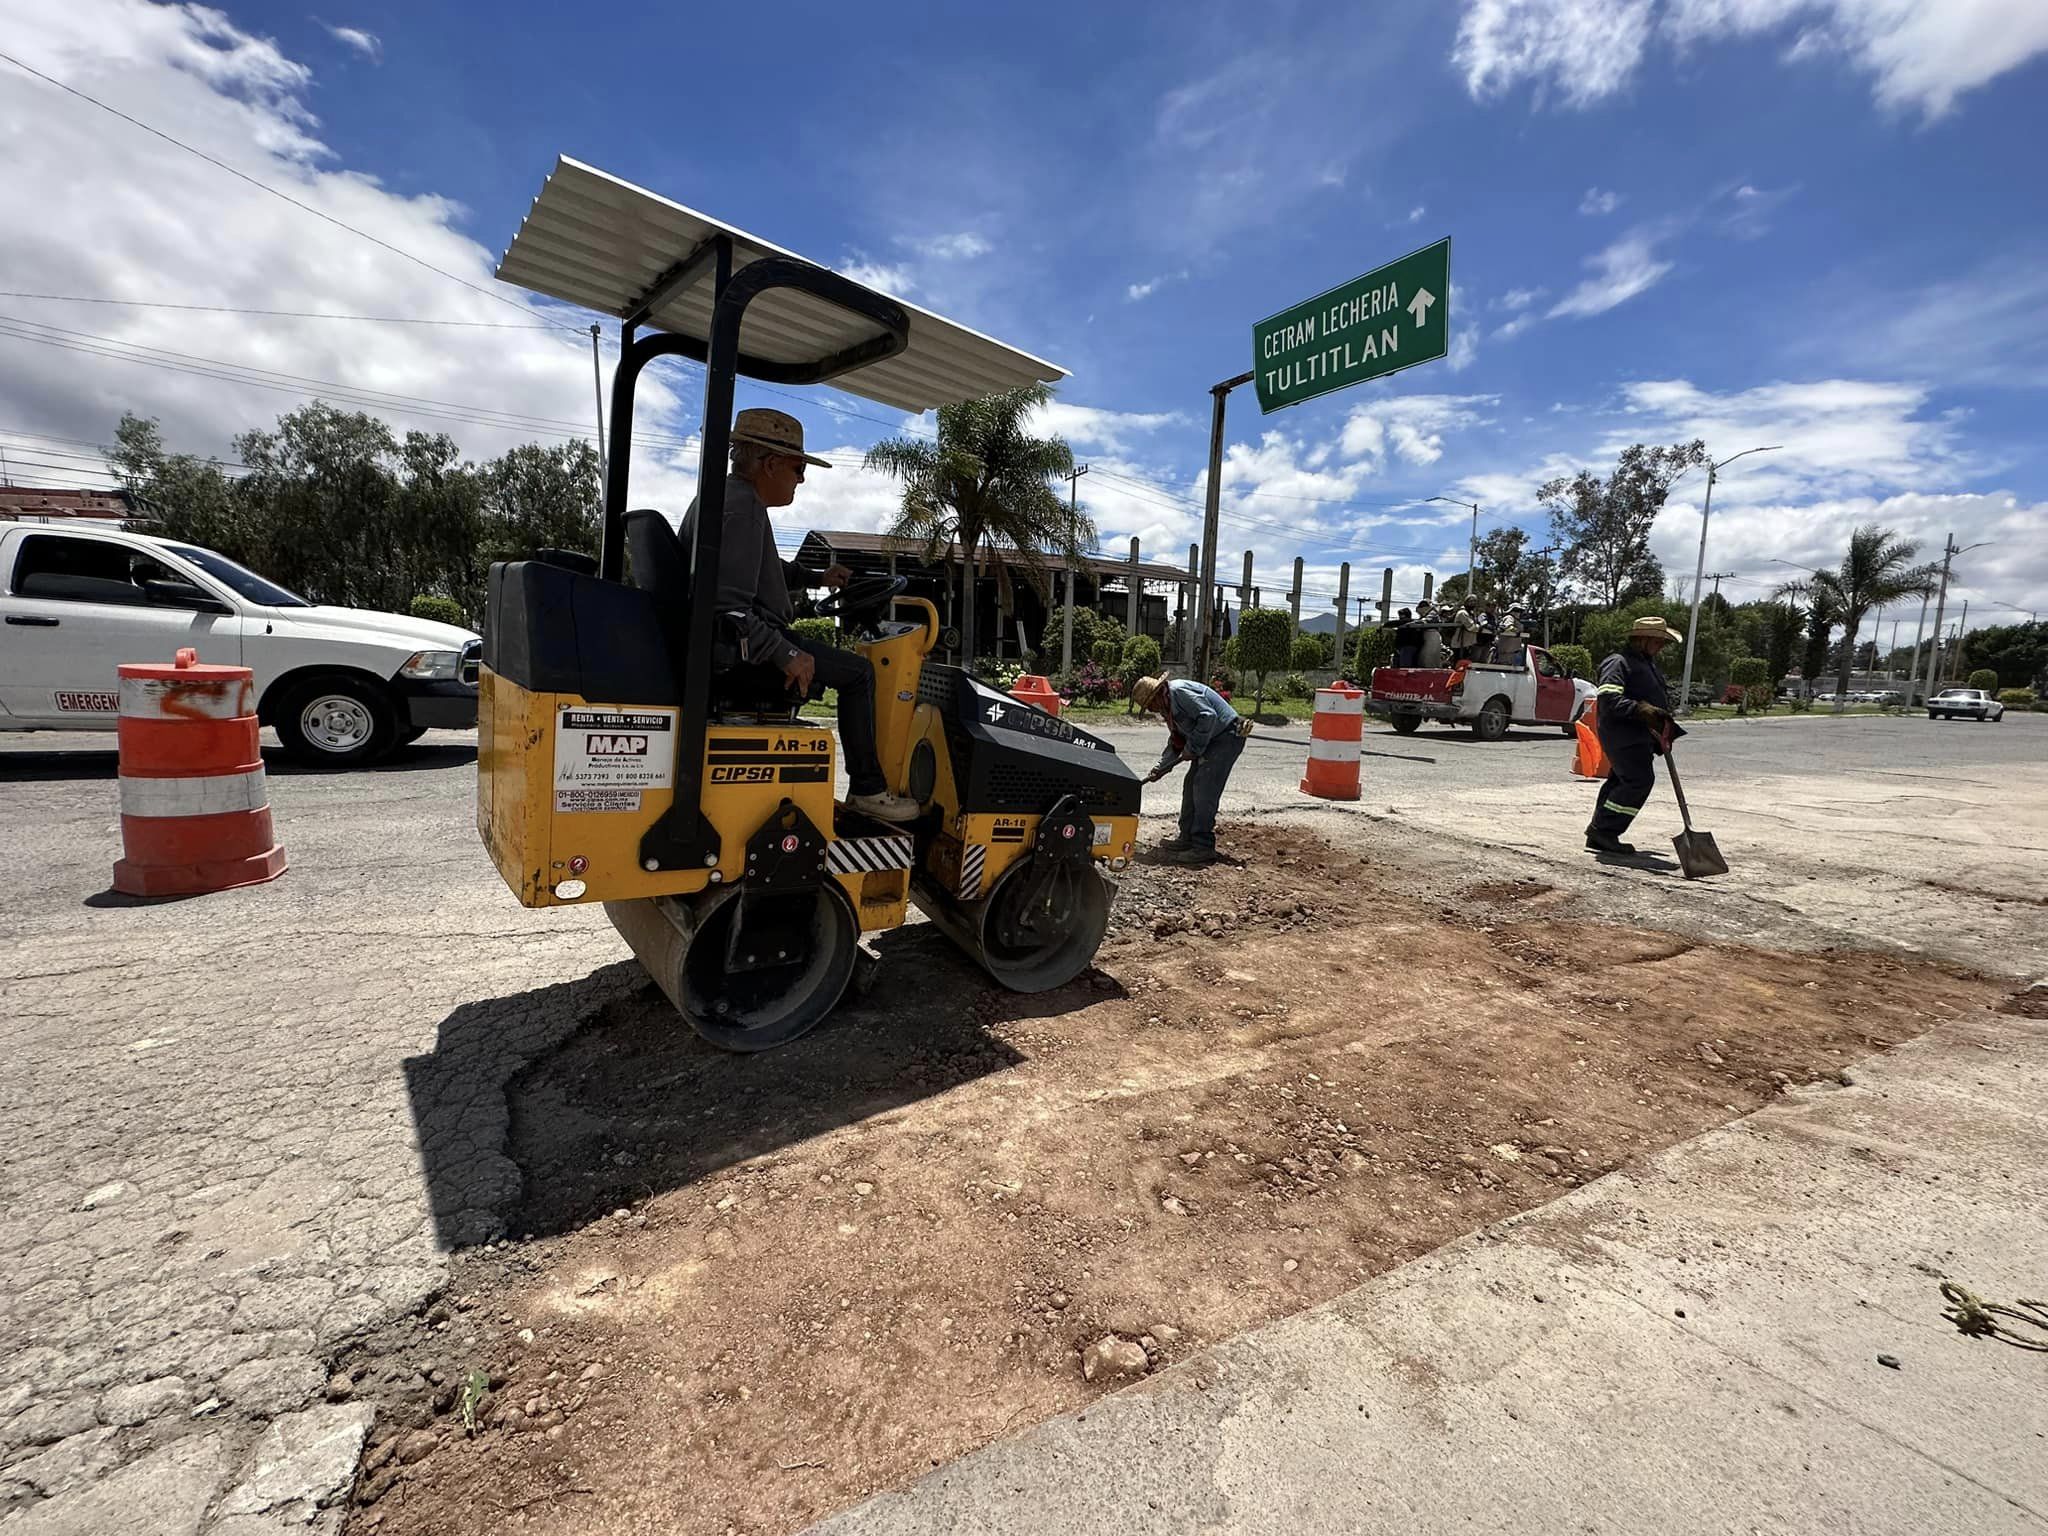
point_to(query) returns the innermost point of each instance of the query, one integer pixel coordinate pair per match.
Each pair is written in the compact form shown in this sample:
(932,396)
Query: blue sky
(1816,222)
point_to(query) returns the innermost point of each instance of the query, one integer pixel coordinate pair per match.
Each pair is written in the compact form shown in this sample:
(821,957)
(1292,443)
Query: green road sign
(1392,318)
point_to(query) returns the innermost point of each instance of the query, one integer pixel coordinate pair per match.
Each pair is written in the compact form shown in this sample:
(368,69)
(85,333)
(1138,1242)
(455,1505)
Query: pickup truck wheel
(1492,722)
(1407,725)
(336,722)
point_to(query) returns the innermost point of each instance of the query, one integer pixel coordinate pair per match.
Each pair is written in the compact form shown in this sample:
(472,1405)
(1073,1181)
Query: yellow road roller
(629,755)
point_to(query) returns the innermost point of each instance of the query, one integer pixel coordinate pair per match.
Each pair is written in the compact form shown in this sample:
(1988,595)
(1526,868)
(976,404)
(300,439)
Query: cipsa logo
(615,744)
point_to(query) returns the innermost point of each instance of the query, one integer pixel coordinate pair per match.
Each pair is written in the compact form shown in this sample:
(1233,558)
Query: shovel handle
(1677,788)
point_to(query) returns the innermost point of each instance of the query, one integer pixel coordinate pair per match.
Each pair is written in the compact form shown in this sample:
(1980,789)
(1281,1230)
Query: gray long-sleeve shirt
(1196,715)
(751,576)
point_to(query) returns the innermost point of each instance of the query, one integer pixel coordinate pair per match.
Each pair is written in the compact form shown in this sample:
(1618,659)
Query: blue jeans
(1203,792)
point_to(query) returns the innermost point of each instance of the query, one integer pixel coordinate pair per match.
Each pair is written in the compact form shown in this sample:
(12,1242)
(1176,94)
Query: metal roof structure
(593,240)
(882,545)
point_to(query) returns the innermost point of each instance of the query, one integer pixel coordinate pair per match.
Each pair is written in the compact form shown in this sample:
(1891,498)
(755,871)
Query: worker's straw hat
(1146,689)
(775,430)
(1651,627)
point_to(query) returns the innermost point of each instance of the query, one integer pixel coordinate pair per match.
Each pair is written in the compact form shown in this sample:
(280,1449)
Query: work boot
(1607,842)
(884,806)
(1191,853)
(1171,845)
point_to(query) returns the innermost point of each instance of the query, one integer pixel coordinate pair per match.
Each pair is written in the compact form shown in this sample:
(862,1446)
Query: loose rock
(1111,1358)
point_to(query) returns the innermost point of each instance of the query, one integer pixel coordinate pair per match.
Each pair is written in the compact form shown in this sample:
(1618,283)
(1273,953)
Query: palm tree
(987,484)
(1877,570)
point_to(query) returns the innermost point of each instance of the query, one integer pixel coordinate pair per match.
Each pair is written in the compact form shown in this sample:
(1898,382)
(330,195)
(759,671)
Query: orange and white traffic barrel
(195,812)
(1333,744)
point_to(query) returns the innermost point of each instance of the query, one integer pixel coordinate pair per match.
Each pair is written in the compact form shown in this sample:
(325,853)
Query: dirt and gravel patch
(758,1289)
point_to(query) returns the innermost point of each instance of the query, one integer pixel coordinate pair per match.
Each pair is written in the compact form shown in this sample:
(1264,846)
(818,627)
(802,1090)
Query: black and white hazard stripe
(971,859)
(868,855)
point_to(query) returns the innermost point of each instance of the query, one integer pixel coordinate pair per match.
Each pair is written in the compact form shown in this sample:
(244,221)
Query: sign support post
(1211,512)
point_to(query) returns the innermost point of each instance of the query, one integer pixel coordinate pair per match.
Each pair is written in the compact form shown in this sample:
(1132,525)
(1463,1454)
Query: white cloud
(122,214)
(895,278)
(964,246)
(1596,202)
(368,44)
(1412,427)
(1514,327)
(1518,298)
(1978,326)
(1746,211)
(1628,267)
(1923,54)
(1089,426)
(1583,49)
(1415,214)
(1138,292)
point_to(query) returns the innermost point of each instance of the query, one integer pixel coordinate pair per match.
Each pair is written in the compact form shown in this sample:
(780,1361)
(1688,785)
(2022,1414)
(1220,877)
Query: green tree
(1262,646)
(442,610)
(181,497)
(1052,644)
(1308,653)
(2018,653)
(1575,659)
(1373,648)
(1105,645)
(1878,570)
(1140,658)
(1752,674)
(1771,630)
(1983,678)
(1509,575)
(1603,526)
(988,485)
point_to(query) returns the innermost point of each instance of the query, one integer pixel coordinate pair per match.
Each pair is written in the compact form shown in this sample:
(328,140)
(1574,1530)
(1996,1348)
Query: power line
(274,192)
(290,314)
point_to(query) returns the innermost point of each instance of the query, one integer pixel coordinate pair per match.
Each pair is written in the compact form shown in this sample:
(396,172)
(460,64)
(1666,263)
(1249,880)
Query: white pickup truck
(1488,696)
(342,686)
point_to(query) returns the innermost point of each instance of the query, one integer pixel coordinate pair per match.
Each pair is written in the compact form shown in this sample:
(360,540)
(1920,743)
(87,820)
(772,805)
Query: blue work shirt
(1196,715)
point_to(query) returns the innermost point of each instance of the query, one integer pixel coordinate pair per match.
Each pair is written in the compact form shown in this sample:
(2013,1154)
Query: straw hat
(776,430)
(1652,627)
(1146,689)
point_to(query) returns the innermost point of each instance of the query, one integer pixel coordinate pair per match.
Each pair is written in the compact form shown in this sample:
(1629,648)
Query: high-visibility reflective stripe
(1333,751)
(158,698)
(1619,809)
(1610,688)
(1330,702)
(213,795)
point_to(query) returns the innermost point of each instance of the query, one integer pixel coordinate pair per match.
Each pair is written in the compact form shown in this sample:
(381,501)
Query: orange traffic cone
(1589,762)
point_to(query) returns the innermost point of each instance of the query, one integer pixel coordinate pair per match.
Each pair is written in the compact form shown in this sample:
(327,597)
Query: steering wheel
(862,600)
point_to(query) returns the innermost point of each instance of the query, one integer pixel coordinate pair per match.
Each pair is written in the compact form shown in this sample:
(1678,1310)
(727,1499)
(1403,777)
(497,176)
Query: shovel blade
(1698,856)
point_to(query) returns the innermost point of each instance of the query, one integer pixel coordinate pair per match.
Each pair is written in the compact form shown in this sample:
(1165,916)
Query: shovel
(1698,856)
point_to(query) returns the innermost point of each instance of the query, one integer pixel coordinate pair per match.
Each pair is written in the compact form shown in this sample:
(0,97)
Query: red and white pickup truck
(1488,696)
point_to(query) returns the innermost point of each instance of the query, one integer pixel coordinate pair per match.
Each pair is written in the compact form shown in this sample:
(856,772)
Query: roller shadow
(541,1111)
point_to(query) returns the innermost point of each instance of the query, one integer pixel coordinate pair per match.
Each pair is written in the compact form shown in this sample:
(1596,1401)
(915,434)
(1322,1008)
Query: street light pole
(1073,521)
(1699,572)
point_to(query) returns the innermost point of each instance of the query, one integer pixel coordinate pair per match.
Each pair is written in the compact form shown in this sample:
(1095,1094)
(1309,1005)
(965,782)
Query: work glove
(1243,726)
(1655,717)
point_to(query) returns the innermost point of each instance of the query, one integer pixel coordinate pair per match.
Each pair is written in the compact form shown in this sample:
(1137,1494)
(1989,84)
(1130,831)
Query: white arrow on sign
(1419,305)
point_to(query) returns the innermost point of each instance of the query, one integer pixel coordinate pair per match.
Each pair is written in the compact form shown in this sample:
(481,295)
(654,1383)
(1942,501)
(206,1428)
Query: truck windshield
(246,582)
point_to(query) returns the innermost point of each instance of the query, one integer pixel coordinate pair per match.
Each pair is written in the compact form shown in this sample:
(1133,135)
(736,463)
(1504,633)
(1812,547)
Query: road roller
(630,755)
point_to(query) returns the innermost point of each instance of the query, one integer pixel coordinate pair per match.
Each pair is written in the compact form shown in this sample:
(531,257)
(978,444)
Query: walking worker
(1635,729)
(1205,732)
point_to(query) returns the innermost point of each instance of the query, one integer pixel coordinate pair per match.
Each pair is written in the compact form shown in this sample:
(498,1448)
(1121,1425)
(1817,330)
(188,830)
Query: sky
(1816,224)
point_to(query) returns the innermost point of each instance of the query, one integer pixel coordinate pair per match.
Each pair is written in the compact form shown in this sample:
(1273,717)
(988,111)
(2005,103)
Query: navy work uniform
(1629,680)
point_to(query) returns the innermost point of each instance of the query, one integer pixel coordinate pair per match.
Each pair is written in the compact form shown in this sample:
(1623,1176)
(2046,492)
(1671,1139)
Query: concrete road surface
(212,1111)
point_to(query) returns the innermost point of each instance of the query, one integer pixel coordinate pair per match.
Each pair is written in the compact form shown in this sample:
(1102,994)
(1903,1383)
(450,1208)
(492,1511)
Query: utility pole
(1343,602)
(1699,572)
(1948,555)
(1187,628)
(1210,513)
(1717,578)
(1919,634)
(597,382)
(1074,521)
(1294,605)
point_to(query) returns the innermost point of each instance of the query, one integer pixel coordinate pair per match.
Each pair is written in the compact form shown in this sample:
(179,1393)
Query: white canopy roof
(593,240)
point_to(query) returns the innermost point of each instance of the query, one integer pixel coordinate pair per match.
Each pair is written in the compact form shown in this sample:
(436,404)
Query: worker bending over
(768,462)
(1205,732)
(1635,729)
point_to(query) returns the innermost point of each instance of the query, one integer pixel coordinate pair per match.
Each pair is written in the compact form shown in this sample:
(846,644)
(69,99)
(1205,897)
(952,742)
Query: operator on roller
(1205,732)
(768,461)
(1635,729)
